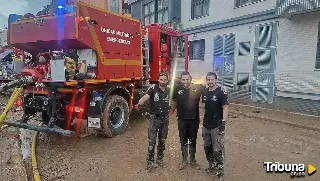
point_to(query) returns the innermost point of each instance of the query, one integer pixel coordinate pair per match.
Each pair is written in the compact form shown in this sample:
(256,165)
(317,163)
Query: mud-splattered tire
(115,116)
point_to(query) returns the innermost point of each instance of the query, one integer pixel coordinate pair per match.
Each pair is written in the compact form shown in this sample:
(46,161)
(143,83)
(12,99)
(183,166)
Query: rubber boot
(160,155)
(193,162)
(150,166)
(150,161)
(184,161)
(159,161)
(209,155)
(220,164)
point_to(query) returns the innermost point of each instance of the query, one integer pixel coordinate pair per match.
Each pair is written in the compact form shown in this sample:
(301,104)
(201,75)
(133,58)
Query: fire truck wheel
(115,116)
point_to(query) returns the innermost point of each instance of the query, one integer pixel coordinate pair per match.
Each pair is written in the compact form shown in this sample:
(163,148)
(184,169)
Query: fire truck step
(39,128)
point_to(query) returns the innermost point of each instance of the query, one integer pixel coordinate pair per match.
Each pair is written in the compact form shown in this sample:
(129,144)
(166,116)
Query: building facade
(112,5)
(156,11)
(126,9)
(3,37)
(270,46)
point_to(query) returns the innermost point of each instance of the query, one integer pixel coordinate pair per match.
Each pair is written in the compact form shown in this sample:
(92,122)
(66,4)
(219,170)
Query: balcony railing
(288,7)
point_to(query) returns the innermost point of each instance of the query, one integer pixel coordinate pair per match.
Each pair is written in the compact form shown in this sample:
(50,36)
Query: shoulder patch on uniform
(194,90)
(224,90)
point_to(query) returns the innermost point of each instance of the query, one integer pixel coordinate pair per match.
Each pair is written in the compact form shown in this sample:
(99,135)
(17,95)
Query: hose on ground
(36,174)
(15,95)
(3,127)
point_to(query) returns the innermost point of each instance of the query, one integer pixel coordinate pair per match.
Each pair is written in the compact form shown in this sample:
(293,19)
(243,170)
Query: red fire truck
(90,67)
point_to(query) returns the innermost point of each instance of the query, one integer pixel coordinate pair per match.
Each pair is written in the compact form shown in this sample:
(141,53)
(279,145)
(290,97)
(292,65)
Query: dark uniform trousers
(158,127)
(214,147)
(188,131)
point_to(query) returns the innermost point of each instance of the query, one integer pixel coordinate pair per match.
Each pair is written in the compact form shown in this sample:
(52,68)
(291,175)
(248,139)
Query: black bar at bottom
(40,128)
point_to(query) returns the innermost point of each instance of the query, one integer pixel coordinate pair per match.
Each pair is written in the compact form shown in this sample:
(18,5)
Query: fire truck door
(179,55)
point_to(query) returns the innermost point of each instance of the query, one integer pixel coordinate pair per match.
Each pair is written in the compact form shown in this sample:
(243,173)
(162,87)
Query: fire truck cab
(166,51)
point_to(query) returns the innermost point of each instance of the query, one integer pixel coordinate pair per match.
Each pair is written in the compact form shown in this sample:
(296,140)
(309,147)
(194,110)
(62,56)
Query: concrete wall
(297,48)
(3,37)
(222,10)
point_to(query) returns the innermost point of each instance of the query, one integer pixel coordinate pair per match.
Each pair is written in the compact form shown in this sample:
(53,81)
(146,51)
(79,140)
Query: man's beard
(212,85)
(187,85)
(162,84)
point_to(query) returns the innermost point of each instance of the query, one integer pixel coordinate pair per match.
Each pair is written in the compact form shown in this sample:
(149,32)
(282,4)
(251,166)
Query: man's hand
(137,106)
(222,127)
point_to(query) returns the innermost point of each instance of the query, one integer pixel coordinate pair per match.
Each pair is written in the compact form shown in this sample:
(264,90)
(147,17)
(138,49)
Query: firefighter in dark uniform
(158,124)
(186,99)
(216,113)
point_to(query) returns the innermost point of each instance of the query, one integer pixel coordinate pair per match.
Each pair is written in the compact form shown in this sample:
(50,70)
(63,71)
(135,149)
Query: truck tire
(115,116)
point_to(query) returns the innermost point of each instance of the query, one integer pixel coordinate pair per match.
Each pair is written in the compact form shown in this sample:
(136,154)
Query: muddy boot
(219,171)
(210,168)
(160,156)
(209,155)
(150,161)
(193,162)
(159,162)
(220,164)
(150,167)
(184,161)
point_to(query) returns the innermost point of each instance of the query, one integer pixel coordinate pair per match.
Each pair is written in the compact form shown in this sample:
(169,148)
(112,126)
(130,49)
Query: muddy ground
(11,165)
(249,143)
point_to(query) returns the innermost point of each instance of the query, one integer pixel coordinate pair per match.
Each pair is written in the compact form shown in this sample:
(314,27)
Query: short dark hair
(185,73)
(212,74)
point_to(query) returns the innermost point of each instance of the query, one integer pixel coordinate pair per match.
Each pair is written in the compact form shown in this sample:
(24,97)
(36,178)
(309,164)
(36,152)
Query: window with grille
(163,16)
(114,6)
(149,13)
(240,3)
(199,8)
(162,4)
(162,11)
(197,50)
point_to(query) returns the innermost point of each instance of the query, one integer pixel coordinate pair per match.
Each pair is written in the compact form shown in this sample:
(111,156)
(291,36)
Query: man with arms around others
(216,113)
(186,99)
(158,124)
